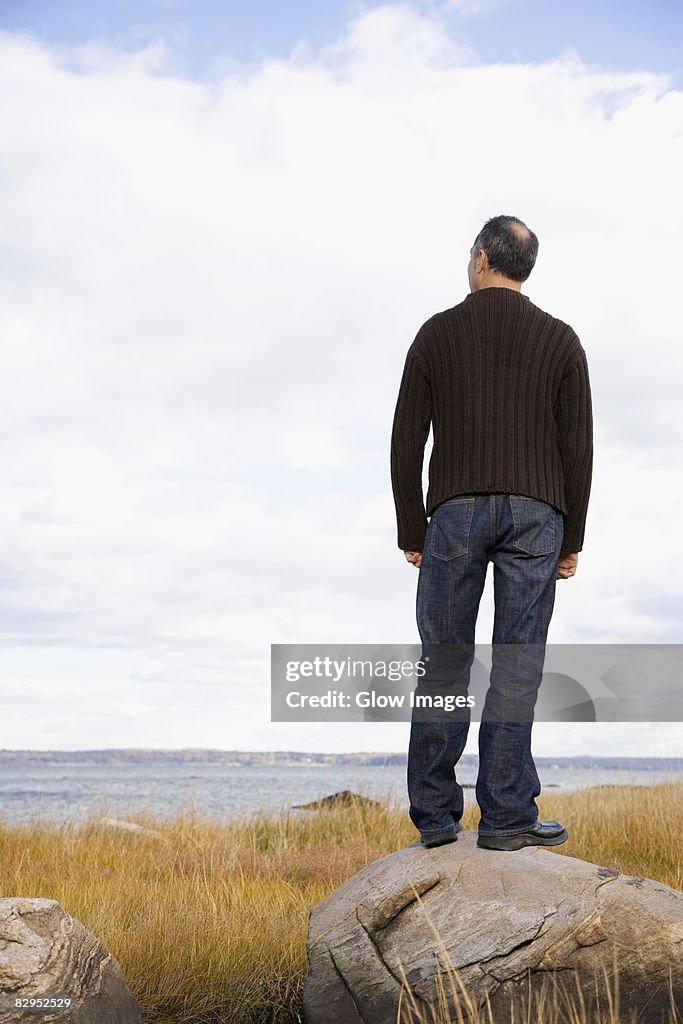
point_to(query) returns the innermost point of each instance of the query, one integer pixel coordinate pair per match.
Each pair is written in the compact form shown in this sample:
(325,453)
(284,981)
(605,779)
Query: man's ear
(481,263)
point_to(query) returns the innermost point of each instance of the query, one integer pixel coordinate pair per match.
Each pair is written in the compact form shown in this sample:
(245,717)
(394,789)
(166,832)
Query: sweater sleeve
(412,420)
(575,437)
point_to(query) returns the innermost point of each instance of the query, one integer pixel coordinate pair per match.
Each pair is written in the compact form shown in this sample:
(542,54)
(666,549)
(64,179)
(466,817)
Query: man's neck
(498,281)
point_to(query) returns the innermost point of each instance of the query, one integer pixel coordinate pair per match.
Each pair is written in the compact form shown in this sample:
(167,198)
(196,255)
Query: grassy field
(209,921)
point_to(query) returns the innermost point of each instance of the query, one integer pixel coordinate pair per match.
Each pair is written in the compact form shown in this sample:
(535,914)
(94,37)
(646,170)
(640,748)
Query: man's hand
(566,567)
(414,557)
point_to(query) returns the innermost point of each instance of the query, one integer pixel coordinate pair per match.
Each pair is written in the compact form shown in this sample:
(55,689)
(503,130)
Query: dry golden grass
(557,1002)
(209,922)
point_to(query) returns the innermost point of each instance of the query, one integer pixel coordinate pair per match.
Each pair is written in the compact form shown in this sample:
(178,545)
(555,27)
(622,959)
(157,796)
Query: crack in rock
(375,944)
(345,983)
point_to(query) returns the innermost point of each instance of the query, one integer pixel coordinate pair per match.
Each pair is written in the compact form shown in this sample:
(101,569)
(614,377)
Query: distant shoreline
(295,758)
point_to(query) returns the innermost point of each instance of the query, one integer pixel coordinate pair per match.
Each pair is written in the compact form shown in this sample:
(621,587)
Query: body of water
(65,792)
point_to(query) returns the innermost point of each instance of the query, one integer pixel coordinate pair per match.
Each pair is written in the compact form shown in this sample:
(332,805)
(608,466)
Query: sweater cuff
(413,541)
(572,541)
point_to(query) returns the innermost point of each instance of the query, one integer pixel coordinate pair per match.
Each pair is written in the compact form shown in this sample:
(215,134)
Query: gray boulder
(48,956)
(508,926)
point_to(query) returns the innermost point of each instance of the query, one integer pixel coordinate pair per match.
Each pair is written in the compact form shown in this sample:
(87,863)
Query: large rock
(47,955)
(336,801)
(509,923)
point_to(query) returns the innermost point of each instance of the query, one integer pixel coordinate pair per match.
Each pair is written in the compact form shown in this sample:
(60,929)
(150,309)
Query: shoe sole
(520,841)
(439,841)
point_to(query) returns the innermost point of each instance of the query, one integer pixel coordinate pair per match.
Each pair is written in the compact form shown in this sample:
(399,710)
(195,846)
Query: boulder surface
(47,958)
(416,929)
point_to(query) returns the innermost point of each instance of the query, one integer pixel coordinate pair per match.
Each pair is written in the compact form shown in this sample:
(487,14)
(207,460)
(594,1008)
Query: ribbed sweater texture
(506,390)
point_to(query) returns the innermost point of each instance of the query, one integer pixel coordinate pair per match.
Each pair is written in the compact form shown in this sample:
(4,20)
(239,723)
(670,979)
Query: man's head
(503,254)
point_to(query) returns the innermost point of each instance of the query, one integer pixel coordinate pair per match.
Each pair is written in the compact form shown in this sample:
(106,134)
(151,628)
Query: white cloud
(390,42)
(472,8)
(207,293)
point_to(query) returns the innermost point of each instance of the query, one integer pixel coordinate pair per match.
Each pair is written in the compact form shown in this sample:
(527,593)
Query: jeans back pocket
(533,525)
(450,528)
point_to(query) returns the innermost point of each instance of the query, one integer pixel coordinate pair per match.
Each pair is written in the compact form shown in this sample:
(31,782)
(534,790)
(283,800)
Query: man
(505,387)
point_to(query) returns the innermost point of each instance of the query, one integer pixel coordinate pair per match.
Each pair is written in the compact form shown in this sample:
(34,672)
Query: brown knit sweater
(506,389)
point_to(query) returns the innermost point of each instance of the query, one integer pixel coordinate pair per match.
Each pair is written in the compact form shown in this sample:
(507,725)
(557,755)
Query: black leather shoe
(440,838)
(543,833)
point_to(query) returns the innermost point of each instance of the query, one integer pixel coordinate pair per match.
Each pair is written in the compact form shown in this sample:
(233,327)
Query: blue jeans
(523,538)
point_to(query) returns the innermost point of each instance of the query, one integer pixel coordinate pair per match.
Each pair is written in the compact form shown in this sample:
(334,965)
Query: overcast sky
(219,234)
